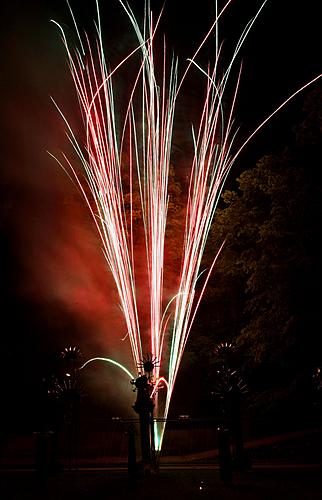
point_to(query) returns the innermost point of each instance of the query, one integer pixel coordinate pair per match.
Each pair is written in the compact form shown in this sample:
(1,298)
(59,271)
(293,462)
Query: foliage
(269,273)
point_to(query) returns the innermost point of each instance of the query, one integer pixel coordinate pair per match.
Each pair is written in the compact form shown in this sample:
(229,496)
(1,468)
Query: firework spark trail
(159,118)
(158,106)
(153,163)
(209,170)
(111,361)
(149,140)
(103,176)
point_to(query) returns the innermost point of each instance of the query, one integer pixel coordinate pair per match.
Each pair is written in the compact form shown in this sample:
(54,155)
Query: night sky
(56,288)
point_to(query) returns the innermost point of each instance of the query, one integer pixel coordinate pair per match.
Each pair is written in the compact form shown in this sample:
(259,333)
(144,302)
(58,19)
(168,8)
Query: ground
(189,482)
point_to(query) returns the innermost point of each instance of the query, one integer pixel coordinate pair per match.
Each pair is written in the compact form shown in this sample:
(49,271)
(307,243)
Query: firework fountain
(141,153)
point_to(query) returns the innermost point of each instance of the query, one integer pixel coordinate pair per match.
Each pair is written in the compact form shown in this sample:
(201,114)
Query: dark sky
(56,288)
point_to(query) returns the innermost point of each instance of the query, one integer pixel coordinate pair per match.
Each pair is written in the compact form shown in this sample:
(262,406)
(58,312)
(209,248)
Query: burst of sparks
(147,132)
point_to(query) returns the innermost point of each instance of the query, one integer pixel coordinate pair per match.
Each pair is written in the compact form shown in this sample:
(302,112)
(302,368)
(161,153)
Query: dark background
(56,289)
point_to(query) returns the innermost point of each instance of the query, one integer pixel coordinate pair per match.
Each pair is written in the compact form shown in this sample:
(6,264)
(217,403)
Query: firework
(111,361)
(146,135)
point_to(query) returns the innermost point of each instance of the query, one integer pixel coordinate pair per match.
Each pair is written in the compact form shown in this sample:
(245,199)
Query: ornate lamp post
(144,408)
(70,393)
(60,403)
(228,390)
